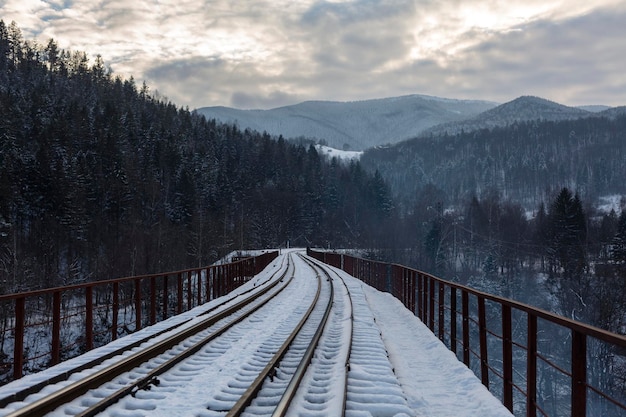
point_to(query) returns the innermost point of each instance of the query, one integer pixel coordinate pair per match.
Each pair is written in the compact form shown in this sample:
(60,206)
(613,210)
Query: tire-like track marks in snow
(373,388)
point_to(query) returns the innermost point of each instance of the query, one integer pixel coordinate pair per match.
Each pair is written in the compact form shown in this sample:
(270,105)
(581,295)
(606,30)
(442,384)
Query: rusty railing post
(420,297)
(189,291)
(152,299)
(466,334)
(431,305)
(18,346)
(531,367)
(442,310)
(507,357)
(115,312)
(179,293)
(482,329)
(165,297)
(453,313)
(579,374)
(137,304)
(199,284)
(56,328)
(89,317)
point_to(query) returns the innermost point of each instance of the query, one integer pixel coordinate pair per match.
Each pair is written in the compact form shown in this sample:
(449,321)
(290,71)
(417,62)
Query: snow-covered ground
(336,153)
(398,367)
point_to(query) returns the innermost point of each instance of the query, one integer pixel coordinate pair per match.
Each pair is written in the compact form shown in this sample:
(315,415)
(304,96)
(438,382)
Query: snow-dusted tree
(567,249)
(618,251)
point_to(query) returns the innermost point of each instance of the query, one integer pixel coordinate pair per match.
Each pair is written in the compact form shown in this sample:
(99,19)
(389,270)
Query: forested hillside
(525,162)
(356,125)
(100,179)
(510,209)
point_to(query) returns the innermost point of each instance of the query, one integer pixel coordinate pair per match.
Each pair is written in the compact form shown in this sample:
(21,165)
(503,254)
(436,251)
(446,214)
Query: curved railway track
(246,296)
(171,337)
(284,371)
(286,346)
(260,390)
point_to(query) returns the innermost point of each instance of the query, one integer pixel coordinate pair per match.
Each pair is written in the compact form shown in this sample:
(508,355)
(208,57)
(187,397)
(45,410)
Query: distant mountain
(353,125)
(522,109)
(613,112)
(594,108)
(523,162)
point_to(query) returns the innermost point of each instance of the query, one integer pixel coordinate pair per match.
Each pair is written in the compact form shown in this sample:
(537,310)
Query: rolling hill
(522,109)
(354,125)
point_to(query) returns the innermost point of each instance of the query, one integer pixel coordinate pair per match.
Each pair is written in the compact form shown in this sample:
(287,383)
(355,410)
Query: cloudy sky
(269,53)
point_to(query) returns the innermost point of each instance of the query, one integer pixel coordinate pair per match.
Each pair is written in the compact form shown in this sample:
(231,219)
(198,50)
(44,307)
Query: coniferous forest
(100,178)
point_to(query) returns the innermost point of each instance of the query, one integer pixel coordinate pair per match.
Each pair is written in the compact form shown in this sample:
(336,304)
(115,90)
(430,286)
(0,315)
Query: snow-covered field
(346,156)
(397,366)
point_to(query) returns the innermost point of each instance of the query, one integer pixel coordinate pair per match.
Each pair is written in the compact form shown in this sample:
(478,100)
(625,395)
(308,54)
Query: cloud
(244,100)
(564,60)
(268,53)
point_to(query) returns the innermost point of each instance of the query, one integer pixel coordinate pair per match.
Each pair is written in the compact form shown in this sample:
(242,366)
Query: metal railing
(42,328)
(536,362)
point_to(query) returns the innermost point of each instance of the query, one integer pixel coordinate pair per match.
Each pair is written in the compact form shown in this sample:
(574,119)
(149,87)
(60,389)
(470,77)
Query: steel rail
(290,392)
(347,362)
(23,393)
(149,378)
(253,390)
(80,387)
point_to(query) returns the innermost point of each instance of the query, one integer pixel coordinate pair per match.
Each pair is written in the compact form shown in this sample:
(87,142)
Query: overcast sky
(269,53)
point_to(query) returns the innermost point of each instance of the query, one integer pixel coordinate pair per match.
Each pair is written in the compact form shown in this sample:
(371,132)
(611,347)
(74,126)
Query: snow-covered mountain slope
(353,125)
(345,156)
(521,109)
(594,108)
(613,112)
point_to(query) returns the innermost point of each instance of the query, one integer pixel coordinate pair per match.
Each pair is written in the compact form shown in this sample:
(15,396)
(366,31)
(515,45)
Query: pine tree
(618,250)
(568,251)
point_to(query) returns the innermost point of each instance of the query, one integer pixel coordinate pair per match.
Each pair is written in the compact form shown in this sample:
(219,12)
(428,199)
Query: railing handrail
(586,329)
(440,304)
(46,291)
(151,297)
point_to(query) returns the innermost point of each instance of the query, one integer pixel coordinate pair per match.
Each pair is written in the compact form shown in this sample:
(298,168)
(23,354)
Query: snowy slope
(345,156)
(521,109)
(358,124)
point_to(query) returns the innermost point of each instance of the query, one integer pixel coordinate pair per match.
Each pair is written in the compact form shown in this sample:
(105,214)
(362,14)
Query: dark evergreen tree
(618,250)
(99,179)
(568,253)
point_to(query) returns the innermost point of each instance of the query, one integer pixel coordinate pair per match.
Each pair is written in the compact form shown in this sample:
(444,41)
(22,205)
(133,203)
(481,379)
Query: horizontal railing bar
(541,410)
(516,344)
(45,291)
(553,365)
(583,328)
(430,296)
(520,390)
(497,336)
(606,397)
(96,297)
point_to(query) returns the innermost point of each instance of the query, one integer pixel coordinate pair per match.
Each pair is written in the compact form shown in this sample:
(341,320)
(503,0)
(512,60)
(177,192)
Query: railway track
(300,342)
(73,383)
(137,376)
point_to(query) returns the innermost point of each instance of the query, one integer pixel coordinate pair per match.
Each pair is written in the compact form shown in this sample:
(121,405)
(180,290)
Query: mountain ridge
(363,124)
(354,125)
(520,109)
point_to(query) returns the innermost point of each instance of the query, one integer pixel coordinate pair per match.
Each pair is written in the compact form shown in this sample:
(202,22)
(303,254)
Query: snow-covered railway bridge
(373,356)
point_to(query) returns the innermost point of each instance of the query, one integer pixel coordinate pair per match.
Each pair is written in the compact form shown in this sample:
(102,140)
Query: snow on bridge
(423,377)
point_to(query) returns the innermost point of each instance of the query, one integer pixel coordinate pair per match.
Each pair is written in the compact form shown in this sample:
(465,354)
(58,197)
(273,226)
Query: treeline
(99,178)
(564,257)
(524,161)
